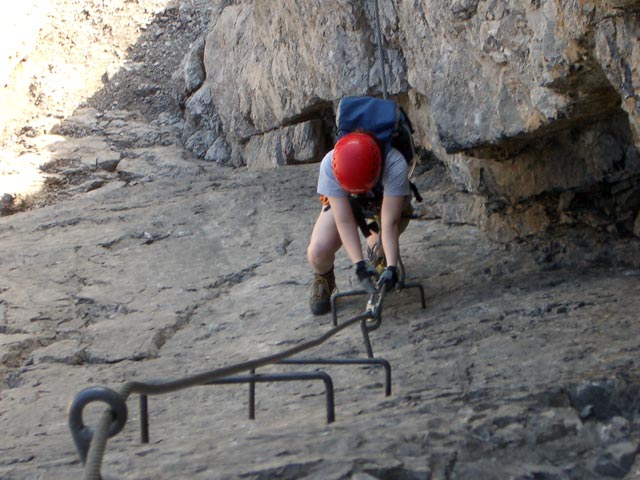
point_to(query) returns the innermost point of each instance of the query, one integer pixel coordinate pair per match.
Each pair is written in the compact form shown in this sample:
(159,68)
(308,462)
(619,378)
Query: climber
(356,186)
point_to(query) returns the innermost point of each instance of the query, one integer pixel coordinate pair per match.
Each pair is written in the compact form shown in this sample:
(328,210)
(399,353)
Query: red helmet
(357,162)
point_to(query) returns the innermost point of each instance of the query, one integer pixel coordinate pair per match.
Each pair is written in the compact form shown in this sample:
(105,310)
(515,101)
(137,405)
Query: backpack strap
(416,193)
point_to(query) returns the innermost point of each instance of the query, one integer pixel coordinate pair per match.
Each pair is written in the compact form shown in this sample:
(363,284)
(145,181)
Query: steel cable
(99,439)
(381,52)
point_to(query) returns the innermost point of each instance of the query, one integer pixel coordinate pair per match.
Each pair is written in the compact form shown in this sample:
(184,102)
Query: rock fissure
(235,278)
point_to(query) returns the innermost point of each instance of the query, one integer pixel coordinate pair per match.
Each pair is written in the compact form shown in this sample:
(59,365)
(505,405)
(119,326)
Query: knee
(320,252)
(314,252)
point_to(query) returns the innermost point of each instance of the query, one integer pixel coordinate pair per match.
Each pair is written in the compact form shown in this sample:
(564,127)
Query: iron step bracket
(347,361)
(252,380)
(263,378)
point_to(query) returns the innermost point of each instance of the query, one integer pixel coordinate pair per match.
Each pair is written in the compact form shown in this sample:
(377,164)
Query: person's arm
(390,217)
(347,227)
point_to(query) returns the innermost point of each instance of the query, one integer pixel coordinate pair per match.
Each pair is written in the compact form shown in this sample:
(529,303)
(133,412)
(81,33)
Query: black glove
(389,278)
(367,276)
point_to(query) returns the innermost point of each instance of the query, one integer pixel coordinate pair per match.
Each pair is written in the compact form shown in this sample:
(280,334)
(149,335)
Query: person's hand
(389,278)
(367,276)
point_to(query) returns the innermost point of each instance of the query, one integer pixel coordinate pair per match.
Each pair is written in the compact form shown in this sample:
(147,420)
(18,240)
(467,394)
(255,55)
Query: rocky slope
(522,365)
(144,262)
(70,53)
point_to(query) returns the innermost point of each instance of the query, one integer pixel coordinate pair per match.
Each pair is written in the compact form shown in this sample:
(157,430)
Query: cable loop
(82,435)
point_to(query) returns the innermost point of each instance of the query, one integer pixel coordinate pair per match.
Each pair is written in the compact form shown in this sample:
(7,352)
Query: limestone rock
(267,67)
(202,124)
(616,461)
(300,143)
(190,75)
(520,99)
(219,152)
(619,54)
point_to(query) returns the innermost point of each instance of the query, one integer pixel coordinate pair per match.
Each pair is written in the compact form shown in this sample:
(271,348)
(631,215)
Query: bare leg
(324,243)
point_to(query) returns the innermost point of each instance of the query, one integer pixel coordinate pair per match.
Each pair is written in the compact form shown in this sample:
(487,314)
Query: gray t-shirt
(395,177)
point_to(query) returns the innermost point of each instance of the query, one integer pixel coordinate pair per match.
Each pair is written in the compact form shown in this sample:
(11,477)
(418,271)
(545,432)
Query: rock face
(144,263)
(531,104)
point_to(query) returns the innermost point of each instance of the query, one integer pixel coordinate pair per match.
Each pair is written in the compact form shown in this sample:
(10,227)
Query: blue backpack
(385,120)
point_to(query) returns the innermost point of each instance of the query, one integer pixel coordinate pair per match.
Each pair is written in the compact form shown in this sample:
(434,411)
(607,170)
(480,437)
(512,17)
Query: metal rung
(347,361)
(252,380)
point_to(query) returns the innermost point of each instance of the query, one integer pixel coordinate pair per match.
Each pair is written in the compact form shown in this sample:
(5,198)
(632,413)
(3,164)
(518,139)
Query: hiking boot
(322,288)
